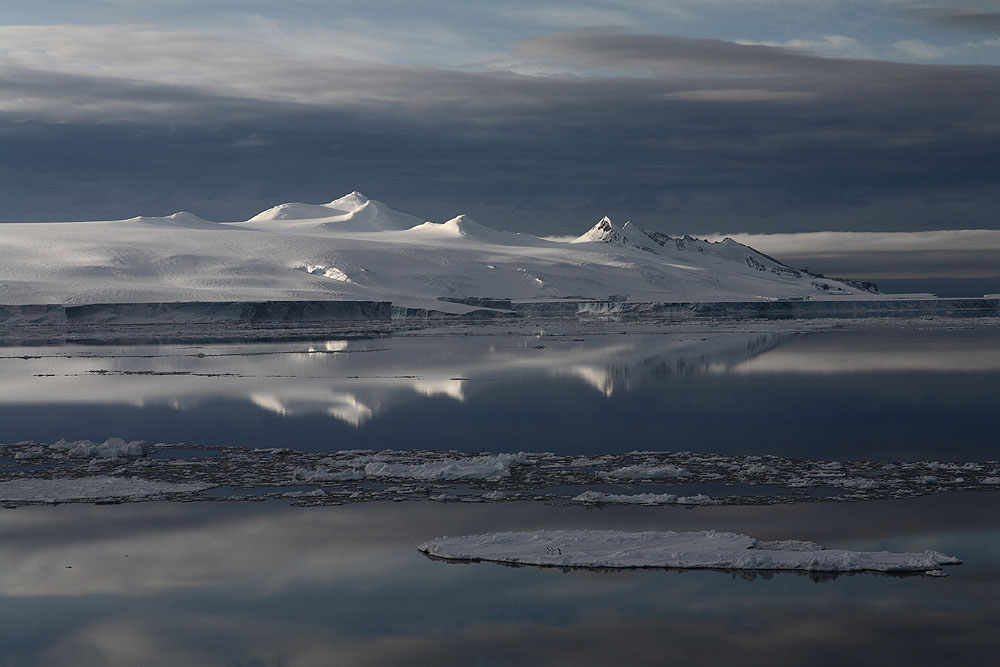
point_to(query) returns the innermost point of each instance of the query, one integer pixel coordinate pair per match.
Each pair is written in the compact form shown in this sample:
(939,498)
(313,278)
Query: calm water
(270,584)
(266,584)
(887,393)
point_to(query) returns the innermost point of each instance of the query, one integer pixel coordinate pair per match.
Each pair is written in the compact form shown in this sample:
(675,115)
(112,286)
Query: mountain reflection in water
(897,393)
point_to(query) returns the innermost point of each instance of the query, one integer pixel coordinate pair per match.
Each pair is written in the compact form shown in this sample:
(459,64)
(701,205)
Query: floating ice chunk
(381,466)
(855,483)
(644,472)
(112,448)
(91,488)
(644,499)
(759,469)
(29,454)
(320,475)
(699,550)
(484,467)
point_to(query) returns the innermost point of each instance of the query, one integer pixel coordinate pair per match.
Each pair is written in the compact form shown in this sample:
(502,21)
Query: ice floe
(91,489)
(383,466)
(112,448)
(644,472)
(596,497)
(668,549)
(633,478)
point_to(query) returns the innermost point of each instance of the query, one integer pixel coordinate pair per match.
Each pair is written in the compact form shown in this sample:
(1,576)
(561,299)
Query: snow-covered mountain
(357,248)
(351,213)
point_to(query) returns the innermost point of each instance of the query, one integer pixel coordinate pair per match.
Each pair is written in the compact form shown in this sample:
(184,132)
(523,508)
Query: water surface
(269,584)
(897,393)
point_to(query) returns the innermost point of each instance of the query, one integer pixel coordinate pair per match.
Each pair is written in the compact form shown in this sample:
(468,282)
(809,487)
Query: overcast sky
(698,116)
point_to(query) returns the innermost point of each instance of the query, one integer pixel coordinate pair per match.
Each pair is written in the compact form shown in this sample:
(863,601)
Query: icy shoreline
(668,549)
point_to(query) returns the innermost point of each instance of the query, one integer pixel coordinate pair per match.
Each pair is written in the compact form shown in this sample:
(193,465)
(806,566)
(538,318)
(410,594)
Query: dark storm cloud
(970,20)
(679,134)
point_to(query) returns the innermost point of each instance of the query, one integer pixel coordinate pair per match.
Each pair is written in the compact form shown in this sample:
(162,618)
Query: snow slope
(357,248)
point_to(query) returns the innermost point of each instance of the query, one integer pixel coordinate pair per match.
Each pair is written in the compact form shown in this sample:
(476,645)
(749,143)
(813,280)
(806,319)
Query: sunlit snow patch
(695,550)
(331,272)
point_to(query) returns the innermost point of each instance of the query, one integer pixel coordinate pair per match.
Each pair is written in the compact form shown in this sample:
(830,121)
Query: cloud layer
(888,256)
(680,134)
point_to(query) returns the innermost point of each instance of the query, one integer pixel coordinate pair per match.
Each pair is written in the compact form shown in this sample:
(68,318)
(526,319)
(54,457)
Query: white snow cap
(604,231)
(459,226)
(354,212)
(352,200)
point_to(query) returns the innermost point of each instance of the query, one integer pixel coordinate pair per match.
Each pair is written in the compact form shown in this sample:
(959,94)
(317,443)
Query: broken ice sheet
(350,476)
(93,489)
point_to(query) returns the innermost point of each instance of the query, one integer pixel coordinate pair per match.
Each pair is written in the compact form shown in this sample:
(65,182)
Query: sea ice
(596,497)
(478,467)
(668,549)
(63,490)
(363,476)
(112,448)
(644,472)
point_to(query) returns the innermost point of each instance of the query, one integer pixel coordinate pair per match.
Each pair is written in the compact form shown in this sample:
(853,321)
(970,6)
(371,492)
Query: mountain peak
(604,231)
(178,219)
(351,200)
(353,212)
(459,226)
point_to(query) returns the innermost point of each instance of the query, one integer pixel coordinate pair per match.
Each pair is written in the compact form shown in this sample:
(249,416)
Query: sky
(686,116)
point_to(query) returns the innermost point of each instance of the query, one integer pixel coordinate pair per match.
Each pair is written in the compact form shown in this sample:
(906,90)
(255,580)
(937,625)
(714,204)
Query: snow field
(354,248)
